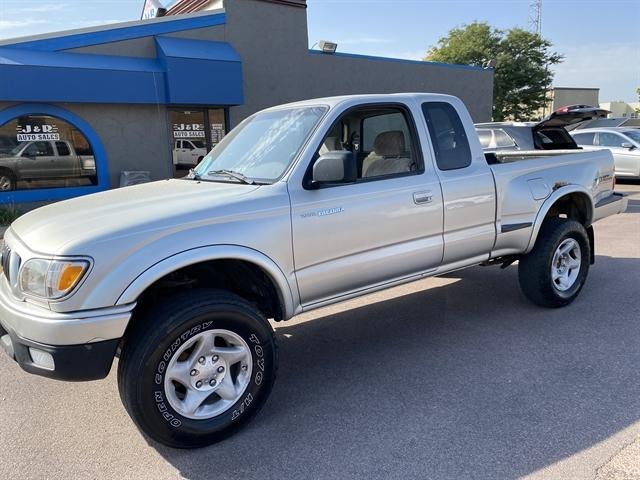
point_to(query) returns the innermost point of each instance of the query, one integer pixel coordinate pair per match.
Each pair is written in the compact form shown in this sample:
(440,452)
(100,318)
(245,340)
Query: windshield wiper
(230,173)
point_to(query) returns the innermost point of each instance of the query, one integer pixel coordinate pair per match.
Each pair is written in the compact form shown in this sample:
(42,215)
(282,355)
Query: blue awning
(36,76)
(185,71)
(200,72)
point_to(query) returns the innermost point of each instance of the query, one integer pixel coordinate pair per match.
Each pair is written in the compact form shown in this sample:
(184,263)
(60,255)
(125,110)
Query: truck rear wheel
(7,180)
(554,271)
(197,367)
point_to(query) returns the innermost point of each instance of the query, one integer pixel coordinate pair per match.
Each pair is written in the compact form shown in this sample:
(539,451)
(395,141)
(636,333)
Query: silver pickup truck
(44,160)
(300,206)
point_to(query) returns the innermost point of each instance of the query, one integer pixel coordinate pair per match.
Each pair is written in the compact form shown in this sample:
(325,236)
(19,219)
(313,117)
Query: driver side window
(381,140)
(39,149)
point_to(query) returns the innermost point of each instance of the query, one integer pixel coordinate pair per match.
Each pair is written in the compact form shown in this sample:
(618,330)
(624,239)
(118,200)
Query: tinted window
(449,139)
(606,139)
(584,138)
(63,149)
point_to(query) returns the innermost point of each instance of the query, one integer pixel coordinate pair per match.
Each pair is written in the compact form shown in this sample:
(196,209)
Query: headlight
(51,279)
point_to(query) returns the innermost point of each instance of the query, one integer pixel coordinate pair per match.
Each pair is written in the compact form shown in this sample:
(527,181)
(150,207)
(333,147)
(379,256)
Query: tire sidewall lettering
(171,417)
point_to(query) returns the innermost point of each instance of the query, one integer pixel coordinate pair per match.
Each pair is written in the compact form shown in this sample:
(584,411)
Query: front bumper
(612,205)
(81,344)
(91,361)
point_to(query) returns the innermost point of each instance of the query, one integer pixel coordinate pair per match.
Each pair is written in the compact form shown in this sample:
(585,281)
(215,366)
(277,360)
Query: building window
(39,151)
(194,132)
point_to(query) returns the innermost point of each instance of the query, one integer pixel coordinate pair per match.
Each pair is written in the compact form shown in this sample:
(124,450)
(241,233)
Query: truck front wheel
(197,367)
(554,271)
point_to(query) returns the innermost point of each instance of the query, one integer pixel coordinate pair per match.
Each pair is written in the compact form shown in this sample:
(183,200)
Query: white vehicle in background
(624,144)
(188,152)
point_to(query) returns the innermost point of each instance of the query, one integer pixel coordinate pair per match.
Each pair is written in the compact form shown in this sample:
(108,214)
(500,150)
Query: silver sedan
(624,144)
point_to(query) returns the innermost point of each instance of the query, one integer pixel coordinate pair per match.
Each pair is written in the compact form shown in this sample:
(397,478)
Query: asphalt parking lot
(453,377)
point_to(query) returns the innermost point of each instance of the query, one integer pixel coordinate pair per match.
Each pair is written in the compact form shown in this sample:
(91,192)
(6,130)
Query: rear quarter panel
(528,188)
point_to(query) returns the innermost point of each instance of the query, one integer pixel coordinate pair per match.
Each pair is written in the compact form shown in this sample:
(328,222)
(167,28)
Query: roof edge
(400,60)
(85,37)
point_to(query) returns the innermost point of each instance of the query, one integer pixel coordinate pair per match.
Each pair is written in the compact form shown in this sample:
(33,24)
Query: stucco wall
(135,137)
(277,67)
(144,47)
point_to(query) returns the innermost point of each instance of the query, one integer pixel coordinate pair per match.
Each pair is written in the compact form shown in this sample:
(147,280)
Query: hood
(569,115)
(124,211)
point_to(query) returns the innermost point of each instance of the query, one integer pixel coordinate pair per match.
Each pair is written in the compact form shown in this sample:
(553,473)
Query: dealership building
(78,108)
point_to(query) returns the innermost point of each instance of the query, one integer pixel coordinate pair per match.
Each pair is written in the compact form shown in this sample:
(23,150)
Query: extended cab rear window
(448,136)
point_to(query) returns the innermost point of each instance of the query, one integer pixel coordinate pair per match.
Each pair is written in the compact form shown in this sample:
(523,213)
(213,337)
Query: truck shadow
(634,194)
(467,380)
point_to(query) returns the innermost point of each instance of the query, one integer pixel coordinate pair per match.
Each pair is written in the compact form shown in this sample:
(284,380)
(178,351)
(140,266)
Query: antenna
(535,17)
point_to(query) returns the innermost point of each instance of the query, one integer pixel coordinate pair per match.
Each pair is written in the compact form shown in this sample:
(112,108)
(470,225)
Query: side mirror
(628,145)
(335,167)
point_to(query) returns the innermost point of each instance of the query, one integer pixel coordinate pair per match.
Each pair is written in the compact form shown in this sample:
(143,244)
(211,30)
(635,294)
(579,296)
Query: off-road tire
(8,178)
(157,335)
(534,269)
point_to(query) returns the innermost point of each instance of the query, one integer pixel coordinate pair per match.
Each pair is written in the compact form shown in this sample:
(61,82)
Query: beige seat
(389,156)
(330,144)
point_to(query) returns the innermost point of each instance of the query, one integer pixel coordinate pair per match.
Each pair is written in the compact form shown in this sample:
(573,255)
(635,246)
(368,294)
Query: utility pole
(535,17)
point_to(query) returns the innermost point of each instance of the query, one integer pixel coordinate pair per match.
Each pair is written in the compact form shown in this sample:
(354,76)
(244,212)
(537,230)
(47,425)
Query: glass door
(189,137)
(194,132)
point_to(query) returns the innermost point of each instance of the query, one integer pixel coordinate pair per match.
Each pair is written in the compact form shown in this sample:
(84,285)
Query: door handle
(420,198)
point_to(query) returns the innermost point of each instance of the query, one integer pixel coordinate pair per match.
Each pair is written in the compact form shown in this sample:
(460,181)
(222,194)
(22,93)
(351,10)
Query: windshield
(17,148)
(263,146)
(633,135)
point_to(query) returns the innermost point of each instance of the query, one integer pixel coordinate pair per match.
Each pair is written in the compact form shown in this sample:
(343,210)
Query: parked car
(188,152)
(44,160)
(300,206)
(548,134)
(624,144)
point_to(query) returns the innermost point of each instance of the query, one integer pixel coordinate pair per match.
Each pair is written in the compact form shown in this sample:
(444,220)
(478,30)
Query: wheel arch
(574,201)
(212,256)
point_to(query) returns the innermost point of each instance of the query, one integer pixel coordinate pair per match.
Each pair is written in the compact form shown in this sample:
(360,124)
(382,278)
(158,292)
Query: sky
(600,39)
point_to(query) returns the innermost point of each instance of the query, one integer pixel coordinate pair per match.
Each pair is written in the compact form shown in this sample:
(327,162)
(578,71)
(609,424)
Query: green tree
(522,73)
(638,92)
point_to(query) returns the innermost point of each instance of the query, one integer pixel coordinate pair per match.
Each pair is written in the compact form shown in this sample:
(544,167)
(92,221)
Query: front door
(386,226)
(38,160)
